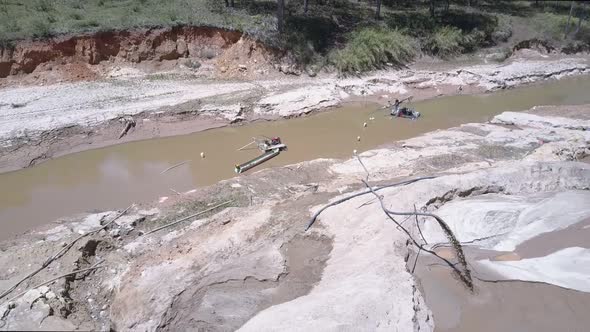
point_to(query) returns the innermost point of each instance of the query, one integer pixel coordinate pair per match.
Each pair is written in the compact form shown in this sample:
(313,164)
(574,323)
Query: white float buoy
(365,124)
(202,154)
(358,138)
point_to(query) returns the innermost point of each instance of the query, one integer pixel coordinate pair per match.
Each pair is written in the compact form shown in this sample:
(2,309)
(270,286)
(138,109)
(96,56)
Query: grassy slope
(339,32)
(21,19)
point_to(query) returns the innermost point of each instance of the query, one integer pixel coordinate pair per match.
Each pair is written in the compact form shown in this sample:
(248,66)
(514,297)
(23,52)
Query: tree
(581,18)
(432,8)
(567,26)
(378,10)
(280,15)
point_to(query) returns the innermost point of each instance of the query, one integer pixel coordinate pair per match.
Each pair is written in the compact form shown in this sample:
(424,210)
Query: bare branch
(342,200)
(93,267)
(61,253)
(186,218)
(464,275)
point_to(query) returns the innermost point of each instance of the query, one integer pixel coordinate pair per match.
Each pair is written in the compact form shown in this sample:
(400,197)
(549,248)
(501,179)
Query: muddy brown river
(116,176)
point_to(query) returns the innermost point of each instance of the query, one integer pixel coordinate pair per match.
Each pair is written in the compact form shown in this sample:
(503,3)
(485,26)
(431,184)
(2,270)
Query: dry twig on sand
(463,272)
(60,254)
(189,217)
(93,267)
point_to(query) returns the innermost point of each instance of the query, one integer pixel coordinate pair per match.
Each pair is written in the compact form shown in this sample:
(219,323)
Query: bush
(372,48)
(40,28)
(43,6)
(445,42)
(550,25)
(472,41)
(503,31)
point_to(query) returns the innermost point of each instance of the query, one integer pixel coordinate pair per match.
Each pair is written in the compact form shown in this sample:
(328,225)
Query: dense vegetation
(351,35)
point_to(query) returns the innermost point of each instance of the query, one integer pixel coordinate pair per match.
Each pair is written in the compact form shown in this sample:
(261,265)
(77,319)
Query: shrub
(76,16)
(90,23)
(472,41)
(40,28)
(550,25)
(372,48)
(43,6)
(503,31)
(445,42)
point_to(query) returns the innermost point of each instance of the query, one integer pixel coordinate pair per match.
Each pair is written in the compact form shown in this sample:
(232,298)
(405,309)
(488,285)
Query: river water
(115,176)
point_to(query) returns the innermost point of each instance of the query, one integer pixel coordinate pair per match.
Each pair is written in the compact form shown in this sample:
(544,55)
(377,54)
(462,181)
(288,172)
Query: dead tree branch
(418,225)
(342,200)
(93,267)
(463,274)
(60,254)
(365,167)
(174,166)
(416,260)
(186,218)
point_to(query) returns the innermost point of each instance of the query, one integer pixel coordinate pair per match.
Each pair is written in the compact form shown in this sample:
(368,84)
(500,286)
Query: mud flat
(250,265)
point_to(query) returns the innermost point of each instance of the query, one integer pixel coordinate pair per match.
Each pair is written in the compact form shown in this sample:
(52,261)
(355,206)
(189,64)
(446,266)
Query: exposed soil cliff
(204,43)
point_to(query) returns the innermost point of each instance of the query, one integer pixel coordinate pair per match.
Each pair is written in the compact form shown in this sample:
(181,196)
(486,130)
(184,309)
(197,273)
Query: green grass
(552,26)
(445,42)
(372,48)
(21,19)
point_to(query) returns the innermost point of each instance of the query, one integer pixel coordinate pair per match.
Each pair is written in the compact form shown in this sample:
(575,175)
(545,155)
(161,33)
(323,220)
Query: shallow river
(116,176)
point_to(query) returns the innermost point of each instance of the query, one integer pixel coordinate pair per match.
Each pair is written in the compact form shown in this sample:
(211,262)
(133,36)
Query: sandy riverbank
(250,265)
(43,122)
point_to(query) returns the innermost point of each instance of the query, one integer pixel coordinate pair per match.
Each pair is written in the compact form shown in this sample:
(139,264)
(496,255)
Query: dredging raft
(270,147)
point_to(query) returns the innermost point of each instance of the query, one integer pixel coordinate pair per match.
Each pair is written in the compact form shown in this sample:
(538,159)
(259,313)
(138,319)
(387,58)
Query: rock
(31,296)
(50,295)
(54,323)
(43,290)
(167,50)
(151,212)
(115,232)
(223,69)
(181,47)
(27,317)
(130,221)
(242,67)
(290,70)
(102,232)
(92,222)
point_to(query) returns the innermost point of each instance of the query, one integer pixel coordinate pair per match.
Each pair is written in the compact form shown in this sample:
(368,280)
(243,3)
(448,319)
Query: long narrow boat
(271,148)
(257,161)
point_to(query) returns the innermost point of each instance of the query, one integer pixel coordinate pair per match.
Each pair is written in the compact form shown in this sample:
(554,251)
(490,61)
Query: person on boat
(396,110)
